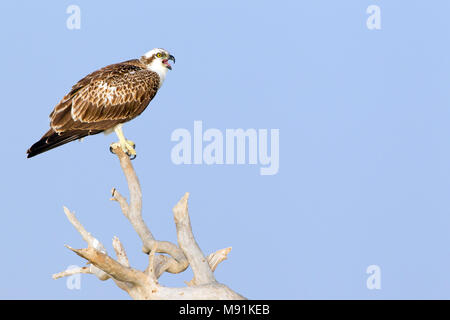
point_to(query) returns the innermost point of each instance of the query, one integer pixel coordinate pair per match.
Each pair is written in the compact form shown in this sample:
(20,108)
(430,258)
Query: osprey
(104,100)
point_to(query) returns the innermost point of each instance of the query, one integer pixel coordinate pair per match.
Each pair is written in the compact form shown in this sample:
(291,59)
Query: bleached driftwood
(163,256)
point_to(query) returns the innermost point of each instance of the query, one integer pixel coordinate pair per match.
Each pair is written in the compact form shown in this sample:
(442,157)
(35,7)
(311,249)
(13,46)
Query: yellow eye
(159,55)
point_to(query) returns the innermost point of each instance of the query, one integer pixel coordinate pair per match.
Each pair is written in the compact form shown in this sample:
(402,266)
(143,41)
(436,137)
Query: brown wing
(101,100)
(112,95)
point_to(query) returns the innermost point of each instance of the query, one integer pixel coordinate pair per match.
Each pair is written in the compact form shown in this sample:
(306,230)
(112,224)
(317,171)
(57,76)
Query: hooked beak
(168,66)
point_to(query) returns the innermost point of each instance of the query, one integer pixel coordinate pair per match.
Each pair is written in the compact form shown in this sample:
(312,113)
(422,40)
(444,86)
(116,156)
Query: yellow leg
(126,145)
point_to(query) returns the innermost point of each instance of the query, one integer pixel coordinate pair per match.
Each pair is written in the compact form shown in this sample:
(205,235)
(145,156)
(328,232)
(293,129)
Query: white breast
(160,69)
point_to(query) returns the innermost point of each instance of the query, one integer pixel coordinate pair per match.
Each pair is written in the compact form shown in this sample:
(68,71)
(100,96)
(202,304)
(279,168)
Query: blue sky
(364,171)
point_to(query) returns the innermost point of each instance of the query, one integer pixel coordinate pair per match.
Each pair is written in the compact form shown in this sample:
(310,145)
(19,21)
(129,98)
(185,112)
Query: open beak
(166,62)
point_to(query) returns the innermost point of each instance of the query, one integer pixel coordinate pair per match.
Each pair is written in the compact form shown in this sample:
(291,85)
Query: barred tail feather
(52,140)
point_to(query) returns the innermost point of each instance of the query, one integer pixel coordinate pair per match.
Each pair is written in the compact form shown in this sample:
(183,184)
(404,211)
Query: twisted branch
(133,212)
(163,255)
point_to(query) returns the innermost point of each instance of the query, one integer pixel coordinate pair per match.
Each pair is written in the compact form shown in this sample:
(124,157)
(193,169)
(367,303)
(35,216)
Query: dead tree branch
(164,256)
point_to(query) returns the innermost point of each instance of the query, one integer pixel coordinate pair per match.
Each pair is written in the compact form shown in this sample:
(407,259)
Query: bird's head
(158,60)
